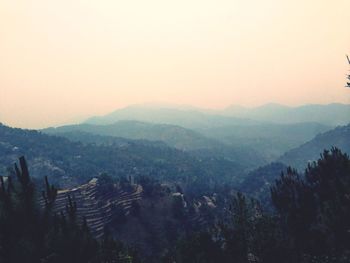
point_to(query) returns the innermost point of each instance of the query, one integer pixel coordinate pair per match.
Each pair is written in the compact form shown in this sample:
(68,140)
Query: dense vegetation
(257,183)
(30,233)
(70,163)
(174,136)
(261,142)
(312,223)
(268,131)
(269,140)
(202,201)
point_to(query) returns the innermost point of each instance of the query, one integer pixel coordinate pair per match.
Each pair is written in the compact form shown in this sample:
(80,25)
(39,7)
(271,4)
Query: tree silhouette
(30,232)
(311,221)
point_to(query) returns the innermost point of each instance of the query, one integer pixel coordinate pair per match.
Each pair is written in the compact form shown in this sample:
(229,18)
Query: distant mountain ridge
(269,139)
(69,163)
(269,130)
(172,135)
(330,114)
(184,117)
(257,183)
(190,117)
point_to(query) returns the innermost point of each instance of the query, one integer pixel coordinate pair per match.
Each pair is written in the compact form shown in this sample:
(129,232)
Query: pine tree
(30,233)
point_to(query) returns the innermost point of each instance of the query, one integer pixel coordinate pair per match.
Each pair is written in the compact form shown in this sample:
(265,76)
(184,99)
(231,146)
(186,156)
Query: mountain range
(71,162)
(330,114)
(196,130)
(189,117)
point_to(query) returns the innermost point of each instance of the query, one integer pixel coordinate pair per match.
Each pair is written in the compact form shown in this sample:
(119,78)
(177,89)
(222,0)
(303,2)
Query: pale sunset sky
(64,60)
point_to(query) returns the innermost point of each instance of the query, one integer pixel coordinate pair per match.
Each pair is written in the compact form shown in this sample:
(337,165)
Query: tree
(311,221)
(315,210)
(31,232)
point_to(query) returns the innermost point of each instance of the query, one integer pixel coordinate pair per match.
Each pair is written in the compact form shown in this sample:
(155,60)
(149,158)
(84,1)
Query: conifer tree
(31,233)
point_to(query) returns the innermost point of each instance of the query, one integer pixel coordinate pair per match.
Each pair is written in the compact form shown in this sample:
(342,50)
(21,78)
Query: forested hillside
(310,222)
(310,151)
(32,232)
(257,183)
(174,136)
(68,163)
(268,131)
(270,140)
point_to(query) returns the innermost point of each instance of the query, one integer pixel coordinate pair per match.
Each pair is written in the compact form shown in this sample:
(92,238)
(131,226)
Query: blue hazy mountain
(68,162)
(191,117)
(269,139)
(269,130)
(173,135)
(183,116)
(329,114)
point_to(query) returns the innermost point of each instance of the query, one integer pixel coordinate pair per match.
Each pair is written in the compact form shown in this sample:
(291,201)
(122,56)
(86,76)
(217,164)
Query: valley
(153,184)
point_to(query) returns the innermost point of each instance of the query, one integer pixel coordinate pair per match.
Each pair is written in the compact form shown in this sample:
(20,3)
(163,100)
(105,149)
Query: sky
(63,61)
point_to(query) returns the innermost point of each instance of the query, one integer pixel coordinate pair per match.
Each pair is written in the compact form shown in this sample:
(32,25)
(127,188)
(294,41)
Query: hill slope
(269,140)
(174,136)
(310,151)
(70,163)
(257,183)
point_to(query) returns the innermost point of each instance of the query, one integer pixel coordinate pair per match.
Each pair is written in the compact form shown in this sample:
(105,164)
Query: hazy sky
(66,59)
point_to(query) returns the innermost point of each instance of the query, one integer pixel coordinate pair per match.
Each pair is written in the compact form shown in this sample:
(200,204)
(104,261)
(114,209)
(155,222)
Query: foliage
(312,223)
(68,163)
(257,183)
(31,233)
(316,209)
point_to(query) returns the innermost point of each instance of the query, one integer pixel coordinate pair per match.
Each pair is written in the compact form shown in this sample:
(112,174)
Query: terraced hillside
(161,219)
(148,222)
(96,206)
